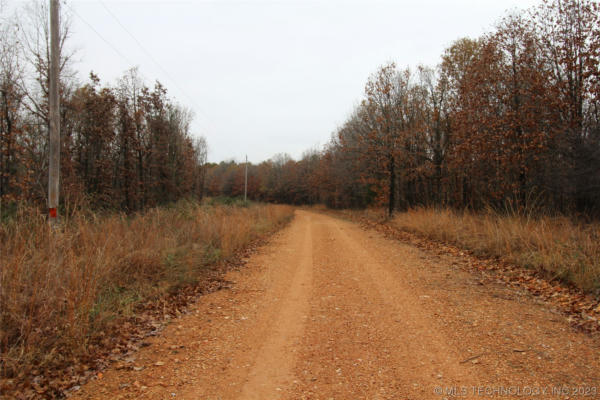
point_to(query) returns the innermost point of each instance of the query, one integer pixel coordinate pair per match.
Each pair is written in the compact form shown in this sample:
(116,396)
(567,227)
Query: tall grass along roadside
(557,246)
(57,289)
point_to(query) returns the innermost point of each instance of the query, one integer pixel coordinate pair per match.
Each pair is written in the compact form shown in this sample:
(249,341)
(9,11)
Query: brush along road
(327,310)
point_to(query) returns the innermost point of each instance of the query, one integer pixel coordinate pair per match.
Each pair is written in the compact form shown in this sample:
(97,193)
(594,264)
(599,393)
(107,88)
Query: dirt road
(330,311)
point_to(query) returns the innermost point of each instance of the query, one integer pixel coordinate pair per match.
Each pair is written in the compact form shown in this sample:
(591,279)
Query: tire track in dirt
(272,370)
(330,311)
(368,336)
(431,327)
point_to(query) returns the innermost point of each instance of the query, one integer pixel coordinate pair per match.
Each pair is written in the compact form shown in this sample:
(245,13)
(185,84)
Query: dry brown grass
(559,247)
(59,288)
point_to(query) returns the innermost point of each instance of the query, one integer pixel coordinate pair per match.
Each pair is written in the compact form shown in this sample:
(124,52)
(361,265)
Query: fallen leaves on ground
(581,309)
(119,342)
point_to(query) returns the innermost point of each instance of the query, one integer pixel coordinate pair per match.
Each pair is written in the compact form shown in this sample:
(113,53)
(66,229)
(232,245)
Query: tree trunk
(392,186)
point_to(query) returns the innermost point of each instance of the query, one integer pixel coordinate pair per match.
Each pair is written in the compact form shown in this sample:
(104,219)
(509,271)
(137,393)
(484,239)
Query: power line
(99,35)
(151,57)
(120,54)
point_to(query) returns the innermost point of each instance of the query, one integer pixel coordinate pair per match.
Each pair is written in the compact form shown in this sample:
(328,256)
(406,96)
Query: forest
(461,154)
(124,146)
(507,120)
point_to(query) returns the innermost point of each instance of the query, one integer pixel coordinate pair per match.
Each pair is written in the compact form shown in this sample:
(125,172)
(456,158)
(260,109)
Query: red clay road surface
(328,310)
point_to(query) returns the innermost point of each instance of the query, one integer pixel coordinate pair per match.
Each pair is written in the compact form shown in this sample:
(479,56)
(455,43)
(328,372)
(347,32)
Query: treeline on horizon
(510,119)
(124,146)
(507,119)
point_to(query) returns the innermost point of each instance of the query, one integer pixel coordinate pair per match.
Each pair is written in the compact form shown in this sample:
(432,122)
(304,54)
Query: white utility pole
(54,116)
(246,180)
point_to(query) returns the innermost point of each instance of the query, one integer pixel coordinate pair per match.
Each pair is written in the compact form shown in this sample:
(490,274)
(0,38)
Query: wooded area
(510,119)
(124,146)
(507,123)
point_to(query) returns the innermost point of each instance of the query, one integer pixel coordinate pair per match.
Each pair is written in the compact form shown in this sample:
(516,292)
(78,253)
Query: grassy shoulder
(61,289)
(557,247)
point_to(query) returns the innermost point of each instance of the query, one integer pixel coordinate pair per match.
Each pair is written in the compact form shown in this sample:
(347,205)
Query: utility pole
(246,180)
(54,116)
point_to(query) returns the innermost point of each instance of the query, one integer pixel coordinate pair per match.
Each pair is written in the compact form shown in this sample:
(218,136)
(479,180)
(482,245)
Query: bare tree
(11,103)
(34,38)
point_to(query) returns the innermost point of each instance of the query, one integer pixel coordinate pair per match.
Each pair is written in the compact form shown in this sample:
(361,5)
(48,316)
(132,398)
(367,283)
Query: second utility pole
(246,180)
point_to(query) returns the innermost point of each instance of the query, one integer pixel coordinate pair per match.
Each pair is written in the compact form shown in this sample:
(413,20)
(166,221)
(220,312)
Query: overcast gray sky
(267,77)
